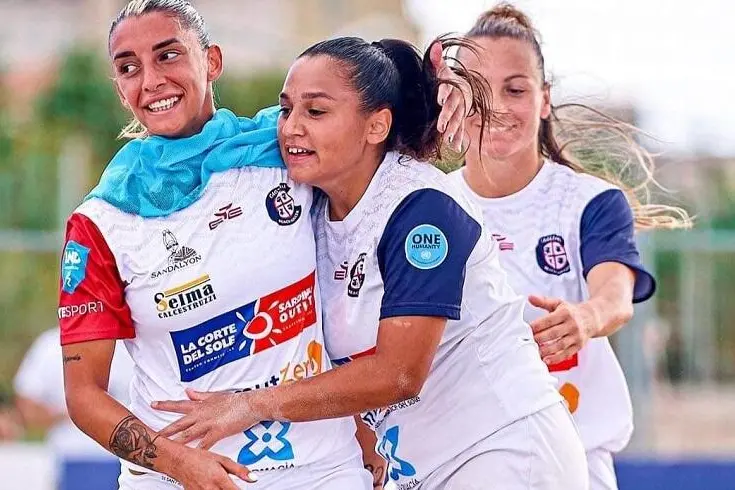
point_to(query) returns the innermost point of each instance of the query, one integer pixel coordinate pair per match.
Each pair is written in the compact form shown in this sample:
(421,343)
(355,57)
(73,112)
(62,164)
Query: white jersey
(414,246)
(40,378)
(550,234)
(221,295)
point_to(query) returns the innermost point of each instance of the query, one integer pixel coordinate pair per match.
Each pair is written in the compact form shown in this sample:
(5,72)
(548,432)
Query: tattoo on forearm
(377,475)
(75,357)
(131,441)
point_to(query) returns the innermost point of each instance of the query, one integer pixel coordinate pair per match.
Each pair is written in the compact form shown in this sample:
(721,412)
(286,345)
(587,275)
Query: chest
(248,237)
(539,248)
(351,286)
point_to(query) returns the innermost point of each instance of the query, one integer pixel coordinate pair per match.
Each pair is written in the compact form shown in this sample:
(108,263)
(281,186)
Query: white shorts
(344,471)
(540,452)
(602,470)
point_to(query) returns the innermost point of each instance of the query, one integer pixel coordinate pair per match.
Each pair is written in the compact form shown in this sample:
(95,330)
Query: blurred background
(665,67)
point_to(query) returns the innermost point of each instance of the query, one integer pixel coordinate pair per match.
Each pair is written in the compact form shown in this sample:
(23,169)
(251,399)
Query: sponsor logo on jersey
(223,214)
(570,393)
(397,467)
(266,440)
(341,273)
(295,371)
(426,247)
(503,243)
(281,206)
(73,266)
(69,311)
(357,276)
(245,331)
(551,255)
(185,297)
(376,417)
(179,256)
(565,365)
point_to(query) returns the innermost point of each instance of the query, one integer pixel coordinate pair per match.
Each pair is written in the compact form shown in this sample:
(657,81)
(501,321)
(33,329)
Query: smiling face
(520,97)
(163,75)
(323,131)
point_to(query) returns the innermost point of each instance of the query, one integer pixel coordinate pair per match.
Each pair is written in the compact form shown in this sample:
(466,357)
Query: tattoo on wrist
(377,475)
(75,357)
(131,441)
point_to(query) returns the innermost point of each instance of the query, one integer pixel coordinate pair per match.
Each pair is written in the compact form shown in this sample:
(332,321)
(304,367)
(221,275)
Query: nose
(292,125)
(153,79)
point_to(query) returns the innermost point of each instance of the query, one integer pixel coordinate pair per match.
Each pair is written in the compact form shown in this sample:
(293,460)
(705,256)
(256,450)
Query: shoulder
(408,177)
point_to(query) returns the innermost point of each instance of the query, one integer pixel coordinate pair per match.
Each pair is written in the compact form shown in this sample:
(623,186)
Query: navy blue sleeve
(606,235)
(422,256)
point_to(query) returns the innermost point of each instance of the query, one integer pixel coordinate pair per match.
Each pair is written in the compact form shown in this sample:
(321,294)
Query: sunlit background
(667,67)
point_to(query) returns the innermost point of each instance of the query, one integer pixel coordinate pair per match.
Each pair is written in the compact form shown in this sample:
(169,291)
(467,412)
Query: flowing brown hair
(588,140)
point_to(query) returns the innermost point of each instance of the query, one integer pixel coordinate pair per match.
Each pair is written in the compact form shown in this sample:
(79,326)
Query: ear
(120,95)
(546,101)
(214,63)
(378,126)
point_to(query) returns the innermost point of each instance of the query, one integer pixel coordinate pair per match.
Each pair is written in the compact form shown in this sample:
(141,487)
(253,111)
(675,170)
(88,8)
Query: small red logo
(503,243)
(224,213)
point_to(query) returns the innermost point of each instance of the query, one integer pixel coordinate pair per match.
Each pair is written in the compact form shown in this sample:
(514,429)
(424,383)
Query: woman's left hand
(210,417)
(455,102)
(565,330)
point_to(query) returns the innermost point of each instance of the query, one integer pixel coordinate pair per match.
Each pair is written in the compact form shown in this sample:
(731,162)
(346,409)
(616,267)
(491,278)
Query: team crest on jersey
(281,206)
(357,276)
(551,255)
(180,256)
(73,266)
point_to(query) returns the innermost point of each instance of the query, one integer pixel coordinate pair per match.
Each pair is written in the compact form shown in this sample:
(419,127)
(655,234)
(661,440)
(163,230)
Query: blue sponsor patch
(266,440)
(388,448)
(73,266)
(426,247)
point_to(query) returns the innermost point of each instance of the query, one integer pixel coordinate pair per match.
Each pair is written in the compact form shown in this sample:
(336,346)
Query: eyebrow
(156,47)
(519,75)
(309,95)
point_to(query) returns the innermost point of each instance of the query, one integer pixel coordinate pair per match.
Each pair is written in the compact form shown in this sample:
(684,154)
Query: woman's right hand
(197,469)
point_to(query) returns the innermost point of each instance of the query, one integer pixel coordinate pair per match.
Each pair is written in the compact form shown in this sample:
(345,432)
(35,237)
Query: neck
(197,124)
(499,177)
(345,191)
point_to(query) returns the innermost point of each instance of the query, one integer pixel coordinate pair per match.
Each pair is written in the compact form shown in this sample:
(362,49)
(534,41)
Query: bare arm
(611,297)
(568,326)
(373,462)
(396,372)
(96,413)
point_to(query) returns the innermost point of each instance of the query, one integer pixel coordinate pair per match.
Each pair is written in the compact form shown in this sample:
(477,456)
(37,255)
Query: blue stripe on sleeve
(607,235)
(422,256)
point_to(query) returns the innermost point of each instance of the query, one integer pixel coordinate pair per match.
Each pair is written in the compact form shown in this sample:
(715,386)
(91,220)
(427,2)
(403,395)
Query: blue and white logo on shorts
(73,265)
(266,440)
(426,247)
(388,449)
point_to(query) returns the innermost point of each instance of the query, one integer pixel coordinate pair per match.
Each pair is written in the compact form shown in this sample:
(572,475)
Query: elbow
(73,404)
(408,384)
(77,402)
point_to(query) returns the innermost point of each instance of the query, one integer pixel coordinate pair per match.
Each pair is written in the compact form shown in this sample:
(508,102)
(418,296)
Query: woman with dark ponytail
(430,340)
(562,188)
